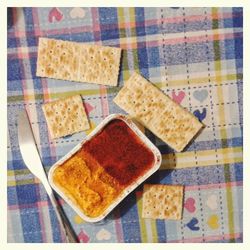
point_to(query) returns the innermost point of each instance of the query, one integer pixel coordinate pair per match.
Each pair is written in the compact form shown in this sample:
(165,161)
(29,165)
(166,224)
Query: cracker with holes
(65,116)
(78,62)
(157,112)
(162,201)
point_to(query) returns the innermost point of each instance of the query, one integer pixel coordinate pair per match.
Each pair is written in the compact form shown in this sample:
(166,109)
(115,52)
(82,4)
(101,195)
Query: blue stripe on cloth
(27,194)
(32,39)
(233,48)
(108,24)
(14,70)
(188,176)
(16,164)
(238,44)
(108,15)
(239,63)
(236,171)
(12,196)
(228,23)
(154,57)
(31,225)
(80,37)
(83,37)
(37,80)
(151,30)
(238,10)
(55,227)
(143,59)
(197,52)
(64,36)
(14,85)
(110,34)
(140,29)
(142,52)
(129,219)
(11,42)
(28,17)
(237,17)
(161,231)
(217,143)
(139,14)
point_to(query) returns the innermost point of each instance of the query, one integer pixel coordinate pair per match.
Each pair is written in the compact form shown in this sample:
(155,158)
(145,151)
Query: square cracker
(65,116)
(79,62)
(162,201)
(157,112)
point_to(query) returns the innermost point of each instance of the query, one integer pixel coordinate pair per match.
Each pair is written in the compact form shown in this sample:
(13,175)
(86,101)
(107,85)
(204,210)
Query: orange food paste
(105,165)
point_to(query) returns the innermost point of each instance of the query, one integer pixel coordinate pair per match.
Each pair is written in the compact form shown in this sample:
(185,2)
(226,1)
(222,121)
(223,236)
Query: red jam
(120,152)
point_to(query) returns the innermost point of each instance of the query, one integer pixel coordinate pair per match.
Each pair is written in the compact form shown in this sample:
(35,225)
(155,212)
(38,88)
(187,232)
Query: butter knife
(33,162)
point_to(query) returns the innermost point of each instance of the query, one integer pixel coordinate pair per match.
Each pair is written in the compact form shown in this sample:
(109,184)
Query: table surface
(195,56)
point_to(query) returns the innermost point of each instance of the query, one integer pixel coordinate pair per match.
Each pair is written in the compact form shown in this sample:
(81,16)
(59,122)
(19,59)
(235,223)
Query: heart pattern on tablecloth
(78,219)
(190,205)
(178,97)
(103,234)
(55,15)
(88,107)
(77,13)
(212,202)
(192,224)
(200,115)
(83,237)
(213,221)
(200,95)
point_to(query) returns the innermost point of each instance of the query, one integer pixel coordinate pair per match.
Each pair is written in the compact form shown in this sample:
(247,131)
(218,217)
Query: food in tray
(162,201)
(87,184)
(156,111)
(105,166)
(65,116)
(79,62)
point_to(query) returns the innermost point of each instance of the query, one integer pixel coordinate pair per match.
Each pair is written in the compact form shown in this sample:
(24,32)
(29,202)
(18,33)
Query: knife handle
(63,221)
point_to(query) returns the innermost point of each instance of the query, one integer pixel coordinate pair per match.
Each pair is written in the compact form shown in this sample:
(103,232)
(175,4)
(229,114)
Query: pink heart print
(83,237)
(55,15)
(190,205)
(88,107)
(178,97)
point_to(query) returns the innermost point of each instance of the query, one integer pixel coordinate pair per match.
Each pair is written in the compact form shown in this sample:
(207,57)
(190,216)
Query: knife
(33,162)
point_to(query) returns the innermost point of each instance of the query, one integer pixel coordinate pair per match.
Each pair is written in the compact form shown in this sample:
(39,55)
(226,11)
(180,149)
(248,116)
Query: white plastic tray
(127,190)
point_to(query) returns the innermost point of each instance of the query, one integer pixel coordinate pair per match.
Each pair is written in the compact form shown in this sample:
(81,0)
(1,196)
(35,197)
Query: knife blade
(29,151)
(33,162)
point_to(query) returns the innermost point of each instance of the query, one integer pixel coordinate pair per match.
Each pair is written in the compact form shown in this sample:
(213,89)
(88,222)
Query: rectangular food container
(128,189)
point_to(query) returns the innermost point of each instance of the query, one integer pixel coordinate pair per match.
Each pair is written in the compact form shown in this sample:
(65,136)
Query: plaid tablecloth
(195,56)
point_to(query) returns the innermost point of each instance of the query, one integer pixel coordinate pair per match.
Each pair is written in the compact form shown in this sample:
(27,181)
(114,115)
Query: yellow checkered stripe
(203,158)
(187,159)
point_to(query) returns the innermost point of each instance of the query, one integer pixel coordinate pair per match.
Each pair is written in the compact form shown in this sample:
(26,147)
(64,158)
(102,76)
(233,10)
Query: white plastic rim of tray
(127,190)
